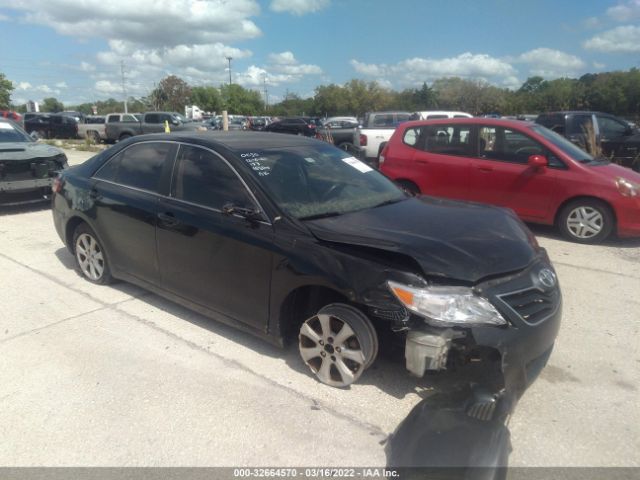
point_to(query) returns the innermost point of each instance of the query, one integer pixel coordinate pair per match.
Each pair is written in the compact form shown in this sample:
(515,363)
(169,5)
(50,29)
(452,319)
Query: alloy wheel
(585,222)
(332,350)
(90,257)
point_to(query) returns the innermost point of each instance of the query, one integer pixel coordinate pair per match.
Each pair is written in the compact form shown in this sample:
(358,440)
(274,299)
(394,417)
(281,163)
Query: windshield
(315,181)
(563,144)
(10,132)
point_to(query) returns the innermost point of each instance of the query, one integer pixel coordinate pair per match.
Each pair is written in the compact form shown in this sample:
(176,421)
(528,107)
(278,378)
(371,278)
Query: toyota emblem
(547,278)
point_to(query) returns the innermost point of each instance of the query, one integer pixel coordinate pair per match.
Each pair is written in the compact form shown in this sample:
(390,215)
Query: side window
(436,116)
(383,121)
(129,119)
(113,118)
(449,139)
(412,136)
(402,117)
(152,118)
(579,125)
(203,178)
(610,128)
(139,166)
(499,143)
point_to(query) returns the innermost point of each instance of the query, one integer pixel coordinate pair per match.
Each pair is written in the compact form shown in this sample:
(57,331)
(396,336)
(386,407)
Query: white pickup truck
(376,129)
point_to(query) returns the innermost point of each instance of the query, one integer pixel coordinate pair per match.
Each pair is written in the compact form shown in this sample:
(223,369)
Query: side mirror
(539,162)
(175,122)
(247,213)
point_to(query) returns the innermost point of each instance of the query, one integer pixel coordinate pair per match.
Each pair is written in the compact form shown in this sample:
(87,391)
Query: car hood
(27,150)
(613,170)
(450,239)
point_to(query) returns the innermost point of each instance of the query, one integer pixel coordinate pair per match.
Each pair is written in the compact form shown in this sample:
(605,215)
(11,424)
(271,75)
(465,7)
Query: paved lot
(94,375)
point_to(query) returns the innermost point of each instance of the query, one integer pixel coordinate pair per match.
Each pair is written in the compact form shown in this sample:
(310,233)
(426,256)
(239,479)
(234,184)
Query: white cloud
(61,85)
(550,63)
(87,67)
(285,63)
(145,22)
(3,18)
(414,71)
(299,7)
(108,87)
(625,11)
(598,65)
(623,39)
(24,86)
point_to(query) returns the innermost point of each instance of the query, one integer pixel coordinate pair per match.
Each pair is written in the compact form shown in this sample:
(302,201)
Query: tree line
(612,92)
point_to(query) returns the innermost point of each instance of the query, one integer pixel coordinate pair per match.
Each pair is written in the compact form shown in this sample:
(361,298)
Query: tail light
(57,184)
(363,140)
(382,156)
(311,125)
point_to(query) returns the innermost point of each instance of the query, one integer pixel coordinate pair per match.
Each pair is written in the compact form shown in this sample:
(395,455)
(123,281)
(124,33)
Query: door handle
(422,162)
(485,169)
(168,219)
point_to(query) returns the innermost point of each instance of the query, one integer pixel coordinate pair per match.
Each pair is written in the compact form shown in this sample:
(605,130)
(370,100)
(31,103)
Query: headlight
(447,306)
(627,188)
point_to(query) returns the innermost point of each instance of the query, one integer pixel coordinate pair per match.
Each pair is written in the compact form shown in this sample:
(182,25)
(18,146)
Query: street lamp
(229,60)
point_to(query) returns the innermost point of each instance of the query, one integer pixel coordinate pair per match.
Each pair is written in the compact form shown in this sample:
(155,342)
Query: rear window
(139,166)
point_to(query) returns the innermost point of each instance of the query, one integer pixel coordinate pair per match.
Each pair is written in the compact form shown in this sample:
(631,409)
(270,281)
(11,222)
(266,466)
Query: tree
(52,105)
(207,98)
(171,94)
(241,101)
(6,87)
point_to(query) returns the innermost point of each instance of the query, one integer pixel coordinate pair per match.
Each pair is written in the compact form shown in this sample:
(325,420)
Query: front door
(500,174)
(217,260)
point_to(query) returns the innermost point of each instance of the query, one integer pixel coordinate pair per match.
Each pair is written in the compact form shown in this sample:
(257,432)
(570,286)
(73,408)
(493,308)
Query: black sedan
(291,238)
(27,168)
(305,126)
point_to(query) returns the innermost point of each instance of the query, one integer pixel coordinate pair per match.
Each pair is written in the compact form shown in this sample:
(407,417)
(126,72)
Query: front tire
(587,221)
(91,259)
(409,187)
(338,344)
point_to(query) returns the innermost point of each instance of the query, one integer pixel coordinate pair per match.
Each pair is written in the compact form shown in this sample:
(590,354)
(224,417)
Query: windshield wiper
(320,215)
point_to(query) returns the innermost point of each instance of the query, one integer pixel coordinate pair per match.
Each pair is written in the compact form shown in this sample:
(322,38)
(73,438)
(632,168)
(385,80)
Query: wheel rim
(90,257)
(585,222)
(332,350)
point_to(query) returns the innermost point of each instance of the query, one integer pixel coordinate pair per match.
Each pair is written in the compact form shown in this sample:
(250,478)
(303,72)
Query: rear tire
(586,220)
(338,344)
(124,136)
(96,137)
(91,259)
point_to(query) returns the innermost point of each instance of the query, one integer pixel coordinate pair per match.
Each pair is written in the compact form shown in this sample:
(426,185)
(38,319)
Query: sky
(76,50)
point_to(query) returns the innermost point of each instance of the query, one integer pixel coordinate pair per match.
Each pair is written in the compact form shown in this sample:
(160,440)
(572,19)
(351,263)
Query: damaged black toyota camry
(27,168)
(291,238)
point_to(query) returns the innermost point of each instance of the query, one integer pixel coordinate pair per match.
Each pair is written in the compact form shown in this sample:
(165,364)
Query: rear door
(217,260)
(500,174)
(442,160)
(125,196)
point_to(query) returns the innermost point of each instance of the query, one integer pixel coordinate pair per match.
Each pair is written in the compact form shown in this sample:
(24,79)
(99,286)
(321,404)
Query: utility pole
(266,94)
(124,86)
(229,60)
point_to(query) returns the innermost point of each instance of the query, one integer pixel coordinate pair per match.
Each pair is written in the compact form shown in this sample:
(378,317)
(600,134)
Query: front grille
(399,315)
(532,305)
(26,170)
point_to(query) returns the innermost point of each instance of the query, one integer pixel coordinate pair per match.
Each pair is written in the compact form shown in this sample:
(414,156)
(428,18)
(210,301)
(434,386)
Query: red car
(15,116)
(539,174)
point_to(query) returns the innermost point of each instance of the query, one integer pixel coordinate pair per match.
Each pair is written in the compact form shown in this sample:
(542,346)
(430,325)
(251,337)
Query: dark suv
(617,139)
(295,125)
(52,125)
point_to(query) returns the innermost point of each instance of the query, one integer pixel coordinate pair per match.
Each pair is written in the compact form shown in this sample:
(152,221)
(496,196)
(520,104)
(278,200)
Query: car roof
(498,122)
(573,112)
(236,140)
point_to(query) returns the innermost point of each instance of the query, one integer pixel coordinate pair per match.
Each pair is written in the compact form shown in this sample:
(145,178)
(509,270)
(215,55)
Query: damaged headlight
(447,306)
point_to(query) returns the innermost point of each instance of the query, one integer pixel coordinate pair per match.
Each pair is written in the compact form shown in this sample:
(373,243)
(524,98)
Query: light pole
(229,60)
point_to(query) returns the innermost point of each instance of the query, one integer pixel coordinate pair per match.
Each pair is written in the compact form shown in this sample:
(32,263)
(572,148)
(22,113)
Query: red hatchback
(542,176)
